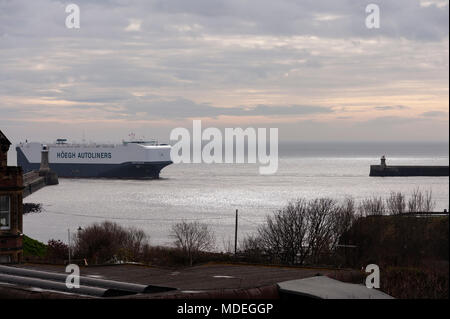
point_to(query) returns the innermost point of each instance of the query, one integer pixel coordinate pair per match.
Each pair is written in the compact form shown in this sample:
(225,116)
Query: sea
(212,193)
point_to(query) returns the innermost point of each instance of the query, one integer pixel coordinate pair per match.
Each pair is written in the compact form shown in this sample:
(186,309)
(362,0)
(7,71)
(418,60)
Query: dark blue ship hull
(132,170)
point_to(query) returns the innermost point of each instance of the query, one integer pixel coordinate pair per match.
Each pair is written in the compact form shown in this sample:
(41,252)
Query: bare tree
(192,238)
(251,248)
(227,246)
(429,204)
(323,214)
(396,203)
(415,202)
(135,241)
(302,230)
(343,220)
(421,201)
(372,206)
(284,236)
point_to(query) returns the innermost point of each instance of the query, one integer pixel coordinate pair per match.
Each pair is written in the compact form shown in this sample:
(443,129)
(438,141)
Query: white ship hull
(127,160)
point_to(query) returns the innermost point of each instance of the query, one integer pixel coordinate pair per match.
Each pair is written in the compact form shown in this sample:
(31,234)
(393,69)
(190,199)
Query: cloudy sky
(309,67)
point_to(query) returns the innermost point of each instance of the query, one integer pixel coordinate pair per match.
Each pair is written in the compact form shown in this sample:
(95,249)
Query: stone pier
(35,180)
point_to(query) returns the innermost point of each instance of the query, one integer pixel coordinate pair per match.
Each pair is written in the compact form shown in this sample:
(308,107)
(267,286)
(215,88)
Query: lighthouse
(51,178)
(44,169)
(383,162)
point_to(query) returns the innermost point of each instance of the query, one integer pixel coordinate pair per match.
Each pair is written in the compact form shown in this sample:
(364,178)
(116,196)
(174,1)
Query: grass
(33,248)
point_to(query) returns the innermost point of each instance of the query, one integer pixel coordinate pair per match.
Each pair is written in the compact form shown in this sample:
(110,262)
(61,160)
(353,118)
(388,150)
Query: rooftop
(206,281)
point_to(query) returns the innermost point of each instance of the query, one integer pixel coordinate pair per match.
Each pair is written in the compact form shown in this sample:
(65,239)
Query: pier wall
(32,182)
(379,170)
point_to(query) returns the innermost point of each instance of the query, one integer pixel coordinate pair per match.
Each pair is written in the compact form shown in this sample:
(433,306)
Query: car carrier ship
(131,159)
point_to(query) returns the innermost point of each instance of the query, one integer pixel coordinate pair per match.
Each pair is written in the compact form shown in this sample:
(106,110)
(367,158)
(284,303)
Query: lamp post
(68,240)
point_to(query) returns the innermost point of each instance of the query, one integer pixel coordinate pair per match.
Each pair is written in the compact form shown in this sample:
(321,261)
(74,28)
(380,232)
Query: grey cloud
(391,107)
(404,18)
(383,121)
(260,51)
(400,18)
(435,114)
(183,108)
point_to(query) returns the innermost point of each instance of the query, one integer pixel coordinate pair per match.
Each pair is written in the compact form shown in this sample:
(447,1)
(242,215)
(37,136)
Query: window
(4,259)
(5,212)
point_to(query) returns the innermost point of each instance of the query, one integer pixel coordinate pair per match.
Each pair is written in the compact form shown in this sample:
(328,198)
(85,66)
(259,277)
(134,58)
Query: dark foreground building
(11,210)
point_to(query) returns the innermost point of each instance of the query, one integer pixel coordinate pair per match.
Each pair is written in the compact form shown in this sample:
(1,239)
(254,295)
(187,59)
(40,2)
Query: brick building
(11,210)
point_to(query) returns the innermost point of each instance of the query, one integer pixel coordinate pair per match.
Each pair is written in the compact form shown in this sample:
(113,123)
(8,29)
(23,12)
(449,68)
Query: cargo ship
(137,159)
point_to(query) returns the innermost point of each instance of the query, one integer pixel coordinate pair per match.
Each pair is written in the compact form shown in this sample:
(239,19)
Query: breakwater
(382,170)
(32,182)
(35,180)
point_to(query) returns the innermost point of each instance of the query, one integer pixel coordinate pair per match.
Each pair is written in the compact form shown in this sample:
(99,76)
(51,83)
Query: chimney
(4,147)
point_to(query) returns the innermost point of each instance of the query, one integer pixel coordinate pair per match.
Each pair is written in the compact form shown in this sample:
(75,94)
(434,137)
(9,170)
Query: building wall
(11,184)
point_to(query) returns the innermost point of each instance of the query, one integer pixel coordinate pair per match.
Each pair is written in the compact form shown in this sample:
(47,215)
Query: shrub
(398,241)
(31,208)
(415,283)
(109,242)
(57,250)
(302,231)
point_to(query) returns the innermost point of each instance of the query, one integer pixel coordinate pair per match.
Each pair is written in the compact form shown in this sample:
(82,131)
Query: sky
(310,68)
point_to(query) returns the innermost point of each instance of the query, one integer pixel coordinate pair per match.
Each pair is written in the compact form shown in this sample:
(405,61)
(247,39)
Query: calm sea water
(212,193)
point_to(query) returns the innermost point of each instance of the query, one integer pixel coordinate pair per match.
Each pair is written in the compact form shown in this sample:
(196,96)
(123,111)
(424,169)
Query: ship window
(5,212)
